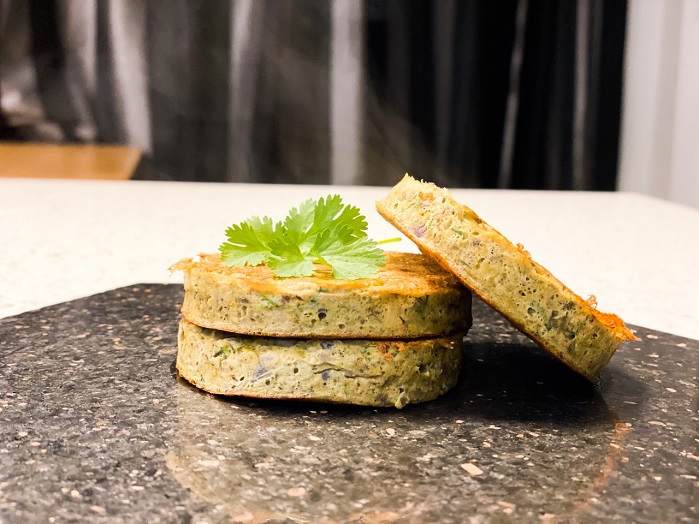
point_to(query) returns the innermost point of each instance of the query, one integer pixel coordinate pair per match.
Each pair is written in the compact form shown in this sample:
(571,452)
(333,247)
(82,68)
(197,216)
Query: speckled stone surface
(96,426)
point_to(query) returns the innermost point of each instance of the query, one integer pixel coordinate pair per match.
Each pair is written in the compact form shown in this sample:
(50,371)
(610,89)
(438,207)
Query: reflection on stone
(543,446)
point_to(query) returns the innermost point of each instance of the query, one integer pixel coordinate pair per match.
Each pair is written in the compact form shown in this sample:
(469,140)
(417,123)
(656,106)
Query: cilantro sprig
(324,231)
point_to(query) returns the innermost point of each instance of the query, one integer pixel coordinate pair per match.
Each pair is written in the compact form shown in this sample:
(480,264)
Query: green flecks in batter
(535,308)
(538,308)
(420,304)
(572,346)
(223,351)
(269,302)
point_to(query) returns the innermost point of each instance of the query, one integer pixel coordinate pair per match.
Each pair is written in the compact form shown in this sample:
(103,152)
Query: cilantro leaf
(298,266)
(353,218)
(247,243)
(359,259)
(331,211)
(299,221)
(303,224)
(325,231)
(287,260)
(264,227)
(330,236)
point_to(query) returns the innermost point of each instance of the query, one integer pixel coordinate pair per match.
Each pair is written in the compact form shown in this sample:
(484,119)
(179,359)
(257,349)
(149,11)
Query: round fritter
(364,372)
(505,276)
(410,297)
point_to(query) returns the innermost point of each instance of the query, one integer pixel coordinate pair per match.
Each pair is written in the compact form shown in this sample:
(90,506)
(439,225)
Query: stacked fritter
(385,341)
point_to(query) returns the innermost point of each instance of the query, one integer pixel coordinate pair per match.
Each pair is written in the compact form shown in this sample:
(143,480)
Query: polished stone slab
(95,425)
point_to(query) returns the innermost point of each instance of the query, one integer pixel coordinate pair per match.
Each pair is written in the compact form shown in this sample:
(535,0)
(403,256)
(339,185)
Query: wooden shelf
(21,160)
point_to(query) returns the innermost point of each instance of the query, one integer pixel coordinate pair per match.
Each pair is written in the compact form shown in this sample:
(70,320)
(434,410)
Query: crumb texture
(362,372)
(504,276)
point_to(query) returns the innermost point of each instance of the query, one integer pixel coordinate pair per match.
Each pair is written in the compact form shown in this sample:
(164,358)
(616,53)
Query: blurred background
(539,94)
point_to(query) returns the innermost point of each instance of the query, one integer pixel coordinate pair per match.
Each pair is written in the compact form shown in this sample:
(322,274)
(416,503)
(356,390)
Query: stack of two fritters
(385,341)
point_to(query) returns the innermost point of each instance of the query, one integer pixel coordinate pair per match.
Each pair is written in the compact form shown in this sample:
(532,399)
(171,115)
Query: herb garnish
(324,231)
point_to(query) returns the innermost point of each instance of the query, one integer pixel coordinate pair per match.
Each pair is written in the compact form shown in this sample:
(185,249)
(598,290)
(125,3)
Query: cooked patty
(411,297)
(504,276)
(365,372)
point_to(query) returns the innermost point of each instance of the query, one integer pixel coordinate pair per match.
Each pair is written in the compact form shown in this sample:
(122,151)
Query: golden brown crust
(411,297)
(505,276)
(404,273)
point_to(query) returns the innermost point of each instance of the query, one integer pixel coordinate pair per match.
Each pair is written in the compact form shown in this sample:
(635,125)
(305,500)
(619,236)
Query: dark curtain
(550,120)
(467,93)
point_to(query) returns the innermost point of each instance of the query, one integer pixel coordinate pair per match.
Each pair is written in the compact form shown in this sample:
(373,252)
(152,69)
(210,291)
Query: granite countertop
(95,424)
